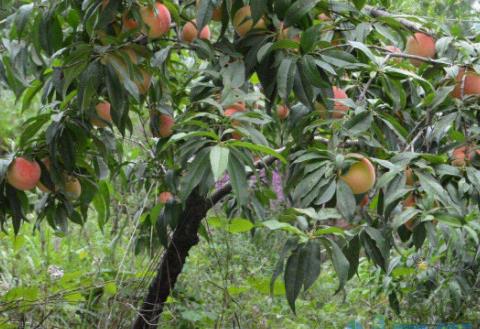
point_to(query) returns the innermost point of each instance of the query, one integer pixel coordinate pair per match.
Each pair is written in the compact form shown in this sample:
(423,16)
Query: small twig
(408,56)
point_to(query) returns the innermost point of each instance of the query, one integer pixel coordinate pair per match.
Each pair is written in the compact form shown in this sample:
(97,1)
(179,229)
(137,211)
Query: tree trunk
(184,238)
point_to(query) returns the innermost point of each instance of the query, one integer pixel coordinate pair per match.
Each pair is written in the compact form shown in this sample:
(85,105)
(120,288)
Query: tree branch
(183,239)
(375,12)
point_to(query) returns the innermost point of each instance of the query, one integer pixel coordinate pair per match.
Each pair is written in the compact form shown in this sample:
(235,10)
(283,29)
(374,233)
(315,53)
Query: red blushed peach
(243,22)
(282,112)
(73,188)
(129,23)
(23,174)
(157,21)
(216,14)
(410,201)
(339,109)
(471,84)
(361,175)
(165,197)
(165,125)
(460,156)
(420,44)
(410,180)
(324,17)
(190,32)
(103,112)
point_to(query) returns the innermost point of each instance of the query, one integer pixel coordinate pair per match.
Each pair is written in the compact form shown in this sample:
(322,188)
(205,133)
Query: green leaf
(312,260)
(431,186)
(340,262)
(359,123)
(239,225)
(30,92)
(376,250)
(259,7)
(352,252)
(346,204)
(22,17)
(312,72)
(274,224)
(32,127)
(259,148)
(219,161)
(285,77)
(289,245)
(364,49)
(238,178)
(297,10)
(101,202)
(310,37)
(196,171)
(294,276)
(89,81)
(359,4)
(204,13)
(22,293)
(402,217)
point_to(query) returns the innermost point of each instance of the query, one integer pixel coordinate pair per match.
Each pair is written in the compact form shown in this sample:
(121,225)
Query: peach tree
(370,121)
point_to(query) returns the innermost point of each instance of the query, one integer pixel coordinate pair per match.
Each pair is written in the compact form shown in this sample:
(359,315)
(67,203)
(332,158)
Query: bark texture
(184,238)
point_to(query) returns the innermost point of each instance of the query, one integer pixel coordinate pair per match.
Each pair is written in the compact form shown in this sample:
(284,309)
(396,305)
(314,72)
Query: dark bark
(184,238)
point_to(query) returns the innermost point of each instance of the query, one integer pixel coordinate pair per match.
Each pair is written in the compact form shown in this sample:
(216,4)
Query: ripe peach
(361,175)
(128,23)
(420,44)
(285,34)
(73,188)
(410,201)
(243,22)
(339,108)
(460,156)
(190,32)
(157,21)
(410,180)
(165,197)
(324,17)
(231,111)
(364,201)
(217,12)
(165,125)
(236,135)
(103,113)
(282,112)
(23,174)
(471,84)
(239,106)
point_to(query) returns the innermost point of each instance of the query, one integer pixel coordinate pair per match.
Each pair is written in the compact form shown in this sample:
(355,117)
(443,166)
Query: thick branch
(408,56)
(184,238)
(375,12)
